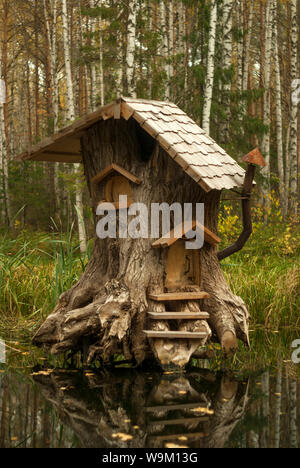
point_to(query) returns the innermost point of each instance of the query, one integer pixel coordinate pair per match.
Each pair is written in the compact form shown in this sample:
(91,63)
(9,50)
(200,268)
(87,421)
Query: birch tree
(210,67)
(294,109)
(66,41)
(267,102)
(130,52)
(279,129)
(227,60)
(71,116)
(164,47)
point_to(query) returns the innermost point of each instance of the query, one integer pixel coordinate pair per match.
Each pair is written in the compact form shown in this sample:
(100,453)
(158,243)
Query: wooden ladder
(177,296)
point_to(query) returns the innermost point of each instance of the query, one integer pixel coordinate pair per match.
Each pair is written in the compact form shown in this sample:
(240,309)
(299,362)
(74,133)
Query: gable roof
(196,152)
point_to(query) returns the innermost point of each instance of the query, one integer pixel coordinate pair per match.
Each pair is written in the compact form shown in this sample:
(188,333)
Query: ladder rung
(183,406)
(175,334)
(173,422)
(178,315)
(180,296)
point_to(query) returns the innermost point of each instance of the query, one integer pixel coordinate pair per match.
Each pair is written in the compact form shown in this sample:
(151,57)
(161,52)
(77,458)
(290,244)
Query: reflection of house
(129,410)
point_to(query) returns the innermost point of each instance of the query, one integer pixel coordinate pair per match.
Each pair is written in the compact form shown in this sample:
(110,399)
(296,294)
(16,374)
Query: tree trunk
(107,308)
(210,67)
(294,111)
(130,53)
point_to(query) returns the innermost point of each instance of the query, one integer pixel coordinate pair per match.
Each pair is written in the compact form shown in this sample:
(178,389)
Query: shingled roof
(198,154)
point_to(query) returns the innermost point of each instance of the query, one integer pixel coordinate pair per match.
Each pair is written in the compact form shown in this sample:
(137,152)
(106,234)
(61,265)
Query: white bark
(171,44)
(210,67)
(93,64)
(278,408)
(66,41)
(71,116)
(267,95)
(101,71)
(227,60)
(164,47)
(279,129)
(239,19)
(247,47)
(294,109)
(149,77)
(130,52)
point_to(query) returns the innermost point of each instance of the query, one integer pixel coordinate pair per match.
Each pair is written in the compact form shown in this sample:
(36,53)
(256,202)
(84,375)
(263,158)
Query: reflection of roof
(198,154)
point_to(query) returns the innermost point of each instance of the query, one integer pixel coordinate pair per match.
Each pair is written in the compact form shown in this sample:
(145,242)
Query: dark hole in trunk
(146,144)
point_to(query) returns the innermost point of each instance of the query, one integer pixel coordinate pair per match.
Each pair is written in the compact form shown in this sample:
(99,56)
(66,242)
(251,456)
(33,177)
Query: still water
(130,409)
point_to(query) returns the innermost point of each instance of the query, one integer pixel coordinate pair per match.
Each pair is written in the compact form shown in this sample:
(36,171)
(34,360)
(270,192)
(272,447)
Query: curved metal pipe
(247,218)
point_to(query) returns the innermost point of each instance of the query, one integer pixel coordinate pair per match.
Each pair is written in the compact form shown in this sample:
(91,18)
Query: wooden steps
(175,335)
(183,406)
(179,296)
(183,421)
(178,315)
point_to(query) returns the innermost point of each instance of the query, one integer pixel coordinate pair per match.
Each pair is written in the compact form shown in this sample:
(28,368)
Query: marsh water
(42,406)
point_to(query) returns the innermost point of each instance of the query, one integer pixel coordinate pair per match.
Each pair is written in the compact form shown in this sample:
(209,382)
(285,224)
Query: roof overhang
(197,153)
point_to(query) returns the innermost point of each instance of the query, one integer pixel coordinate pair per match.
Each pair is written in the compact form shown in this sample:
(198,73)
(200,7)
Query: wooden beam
(115,168)
(107,205)
(181,230)
(126,111)
(180,296)
(183,406)
(174,335)
(49,157)
(178,315)
(184,421)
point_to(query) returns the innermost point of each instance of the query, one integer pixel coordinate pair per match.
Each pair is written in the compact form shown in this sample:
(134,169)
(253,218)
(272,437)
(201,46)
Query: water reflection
(129,409)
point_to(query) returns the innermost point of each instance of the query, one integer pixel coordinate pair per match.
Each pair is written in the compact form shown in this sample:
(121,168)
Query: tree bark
(210,68)
(108,307)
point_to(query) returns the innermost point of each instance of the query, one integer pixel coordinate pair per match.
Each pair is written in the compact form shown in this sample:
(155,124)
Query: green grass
(35,268)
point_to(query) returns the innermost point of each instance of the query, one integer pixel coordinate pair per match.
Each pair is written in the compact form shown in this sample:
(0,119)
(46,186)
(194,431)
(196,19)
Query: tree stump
(108,306)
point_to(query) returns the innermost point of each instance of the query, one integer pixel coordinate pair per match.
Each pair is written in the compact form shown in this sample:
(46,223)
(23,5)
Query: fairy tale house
(141,296)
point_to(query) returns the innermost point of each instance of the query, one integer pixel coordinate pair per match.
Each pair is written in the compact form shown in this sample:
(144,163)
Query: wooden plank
(107,206)
(181,230)
(180,296)
(117,111)
(172,335)
(183,406)
(115,168)
(183,421)
(178,315)
(126,111)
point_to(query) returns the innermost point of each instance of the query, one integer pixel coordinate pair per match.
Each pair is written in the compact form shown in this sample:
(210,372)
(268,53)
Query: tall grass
(34,270)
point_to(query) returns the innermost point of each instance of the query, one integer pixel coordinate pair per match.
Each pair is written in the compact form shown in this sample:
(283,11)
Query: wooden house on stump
(139,296)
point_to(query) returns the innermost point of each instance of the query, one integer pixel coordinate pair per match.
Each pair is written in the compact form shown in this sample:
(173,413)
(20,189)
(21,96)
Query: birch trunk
(93,64)
(149,71)
(171,46)
(164,47)
(130,52)
(267,95)
(66,41)
(294,110)
(227,62)
(101,71)
(279,129)
(210,67)
(71,116)
(278,408)
(248,46)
